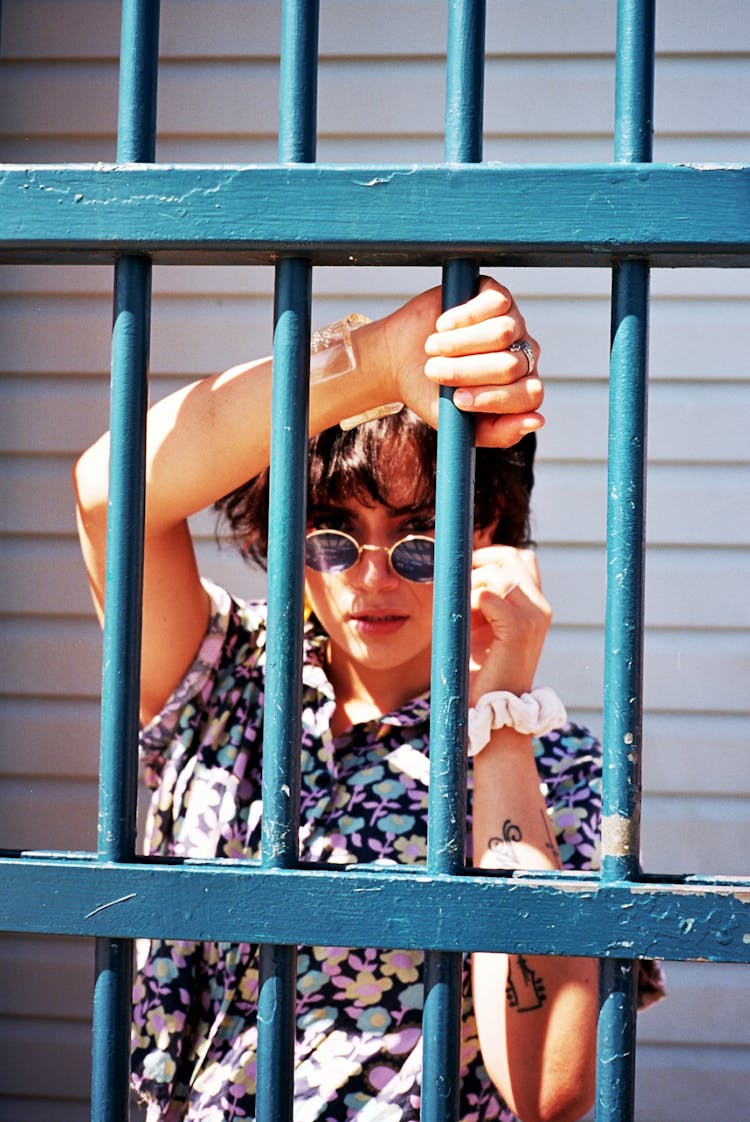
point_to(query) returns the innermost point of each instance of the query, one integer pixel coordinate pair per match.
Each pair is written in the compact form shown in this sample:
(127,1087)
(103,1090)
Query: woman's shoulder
(234,639)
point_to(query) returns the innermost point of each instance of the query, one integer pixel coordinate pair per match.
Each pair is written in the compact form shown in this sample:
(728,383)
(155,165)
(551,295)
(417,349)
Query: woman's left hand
(509,620)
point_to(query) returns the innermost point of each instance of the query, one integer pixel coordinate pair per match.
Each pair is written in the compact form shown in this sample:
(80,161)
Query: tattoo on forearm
(550,845)
(524,988)
(504,848)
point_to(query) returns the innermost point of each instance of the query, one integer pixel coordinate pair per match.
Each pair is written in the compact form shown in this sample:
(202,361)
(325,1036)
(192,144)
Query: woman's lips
(378,622)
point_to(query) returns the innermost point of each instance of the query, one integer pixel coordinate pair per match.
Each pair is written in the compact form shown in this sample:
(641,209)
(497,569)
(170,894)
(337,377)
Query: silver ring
(525,346)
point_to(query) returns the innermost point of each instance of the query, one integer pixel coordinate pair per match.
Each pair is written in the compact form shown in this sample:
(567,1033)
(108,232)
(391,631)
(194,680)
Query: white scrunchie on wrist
(532,714)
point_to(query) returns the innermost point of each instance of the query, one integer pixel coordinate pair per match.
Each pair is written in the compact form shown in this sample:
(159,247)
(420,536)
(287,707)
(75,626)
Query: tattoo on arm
(524,988)
(504,847)
(550,845)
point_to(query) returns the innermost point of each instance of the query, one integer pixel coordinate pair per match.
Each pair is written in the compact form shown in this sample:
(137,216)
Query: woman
(528,1025)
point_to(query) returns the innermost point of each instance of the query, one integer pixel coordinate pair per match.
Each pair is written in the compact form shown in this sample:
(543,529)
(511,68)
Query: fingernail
(464,399)
(430,345)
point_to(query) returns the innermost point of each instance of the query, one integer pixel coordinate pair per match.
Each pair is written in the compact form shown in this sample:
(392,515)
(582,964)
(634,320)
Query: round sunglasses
(333,551)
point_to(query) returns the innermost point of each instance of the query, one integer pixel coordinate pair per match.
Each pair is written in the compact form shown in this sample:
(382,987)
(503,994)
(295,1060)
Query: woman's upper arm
(175,616)
(175,603)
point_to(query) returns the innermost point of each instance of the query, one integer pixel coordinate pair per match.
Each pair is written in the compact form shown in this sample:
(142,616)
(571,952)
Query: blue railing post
(118,783)
(286,571)
(626,523)
(454,524)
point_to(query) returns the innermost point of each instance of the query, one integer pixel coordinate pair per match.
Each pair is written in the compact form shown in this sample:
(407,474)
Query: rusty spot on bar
(617,836)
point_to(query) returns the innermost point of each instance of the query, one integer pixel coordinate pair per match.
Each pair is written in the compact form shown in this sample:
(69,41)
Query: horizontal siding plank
(691,1084)
(709,148)
(688,753)
(687,422)
(233,27)
(50,1057)
(708,674)
(48,334)
(698,835)
(38,496)
(701,290)
(574,582)
(60,737)
(570,501)
(14,1109)
(43,576)
(46,978)
(533,96)
(707,1005)
(75,669)
(31,814)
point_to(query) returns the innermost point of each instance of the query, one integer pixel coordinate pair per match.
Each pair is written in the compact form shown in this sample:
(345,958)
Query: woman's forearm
(536,1015)
(210,437)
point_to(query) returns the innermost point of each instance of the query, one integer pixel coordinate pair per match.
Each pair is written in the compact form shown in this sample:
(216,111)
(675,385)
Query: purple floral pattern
(363,798)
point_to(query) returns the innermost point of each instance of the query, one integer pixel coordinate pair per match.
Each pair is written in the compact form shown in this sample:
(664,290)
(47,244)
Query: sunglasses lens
(330,552)
(414,559)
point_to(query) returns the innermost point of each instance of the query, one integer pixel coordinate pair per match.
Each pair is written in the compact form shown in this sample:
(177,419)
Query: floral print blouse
(363,798)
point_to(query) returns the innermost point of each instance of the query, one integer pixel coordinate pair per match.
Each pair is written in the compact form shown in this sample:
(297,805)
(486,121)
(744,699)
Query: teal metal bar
(682,918)
(626,528)
(626,516)
(286,570)
(118,777)
(500,214)
(454,523)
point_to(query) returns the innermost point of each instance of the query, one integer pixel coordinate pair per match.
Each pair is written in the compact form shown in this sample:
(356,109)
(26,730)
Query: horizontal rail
(562,913)
(666,214)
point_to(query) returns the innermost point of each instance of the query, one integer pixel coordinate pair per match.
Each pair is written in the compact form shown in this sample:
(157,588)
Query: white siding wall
(548,98)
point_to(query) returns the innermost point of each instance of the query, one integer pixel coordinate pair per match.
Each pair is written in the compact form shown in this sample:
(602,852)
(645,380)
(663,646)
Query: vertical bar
(287,514)
(122,629)
(626,520)
(454,523)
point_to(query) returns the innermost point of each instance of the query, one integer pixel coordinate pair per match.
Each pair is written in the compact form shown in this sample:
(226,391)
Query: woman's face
(375,620)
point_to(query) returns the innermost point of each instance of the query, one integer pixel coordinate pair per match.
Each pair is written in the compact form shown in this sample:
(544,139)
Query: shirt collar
(414,712)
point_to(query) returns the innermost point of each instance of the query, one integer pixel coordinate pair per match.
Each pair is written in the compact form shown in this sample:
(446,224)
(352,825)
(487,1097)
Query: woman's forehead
(407,494)
(403,481)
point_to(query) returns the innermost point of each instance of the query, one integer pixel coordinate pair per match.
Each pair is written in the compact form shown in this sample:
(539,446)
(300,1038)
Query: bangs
(358,465)
(392,462)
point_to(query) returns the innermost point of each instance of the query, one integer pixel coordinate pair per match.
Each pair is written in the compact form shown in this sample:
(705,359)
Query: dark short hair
(345,465)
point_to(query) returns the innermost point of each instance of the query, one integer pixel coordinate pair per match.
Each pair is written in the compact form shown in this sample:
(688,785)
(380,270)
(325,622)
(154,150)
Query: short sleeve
(198,684)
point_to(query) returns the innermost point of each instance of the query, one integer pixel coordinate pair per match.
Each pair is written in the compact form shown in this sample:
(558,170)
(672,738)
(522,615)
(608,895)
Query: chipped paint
(618,836)
(110,904)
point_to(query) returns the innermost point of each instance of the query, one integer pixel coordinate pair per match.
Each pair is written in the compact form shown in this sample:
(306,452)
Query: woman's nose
(374,566)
